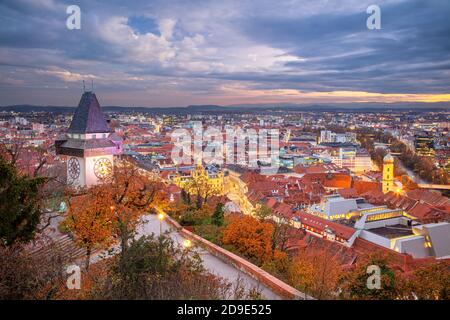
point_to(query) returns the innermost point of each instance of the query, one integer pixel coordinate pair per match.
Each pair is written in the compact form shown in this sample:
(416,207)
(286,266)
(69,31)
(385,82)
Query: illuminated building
(357,161)
(211,174)
(388,174)
(424,145)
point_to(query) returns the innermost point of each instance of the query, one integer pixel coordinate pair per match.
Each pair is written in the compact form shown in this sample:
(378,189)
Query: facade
(424,145)
(335,207)
(209,175)
(355,160)
(401,234)
(327,136)
(89,144)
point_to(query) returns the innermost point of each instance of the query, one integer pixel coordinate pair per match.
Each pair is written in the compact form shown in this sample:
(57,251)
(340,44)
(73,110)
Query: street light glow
(161,216)
(187,243)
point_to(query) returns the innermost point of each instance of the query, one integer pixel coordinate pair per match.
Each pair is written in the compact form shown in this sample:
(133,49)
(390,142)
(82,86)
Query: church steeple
(388,173)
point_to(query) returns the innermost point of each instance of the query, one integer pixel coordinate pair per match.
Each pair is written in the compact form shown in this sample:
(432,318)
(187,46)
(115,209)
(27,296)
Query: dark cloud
(192,48)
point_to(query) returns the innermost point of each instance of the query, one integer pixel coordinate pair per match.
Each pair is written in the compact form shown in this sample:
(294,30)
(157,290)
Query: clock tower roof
(88,117)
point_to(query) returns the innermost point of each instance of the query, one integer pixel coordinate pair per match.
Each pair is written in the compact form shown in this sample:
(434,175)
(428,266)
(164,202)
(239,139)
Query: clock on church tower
(89,144)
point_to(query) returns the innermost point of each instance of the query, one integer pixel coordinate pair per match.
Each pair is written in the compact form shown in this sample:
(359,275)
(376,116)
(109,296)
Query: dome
(388,158)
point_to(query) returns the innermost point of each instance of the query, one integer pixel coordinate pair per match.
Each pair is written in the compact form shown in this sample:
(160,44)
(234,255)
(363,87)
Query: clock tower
(89,144)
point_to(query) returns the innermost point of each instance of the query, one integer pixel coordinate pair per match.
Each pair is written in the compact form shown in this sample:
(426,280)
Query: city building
(327,136)
(424,145)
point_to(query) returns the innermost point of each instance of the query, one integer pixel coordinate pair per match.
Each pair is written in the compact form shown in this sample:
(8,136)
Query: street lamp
(187,243)
(161,217)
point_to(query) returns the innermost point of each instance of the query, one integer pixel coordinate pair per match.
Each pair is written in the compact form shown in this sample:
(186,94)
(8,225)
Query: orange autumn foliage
(131,195)
(250,237)
(112,210)
(90,220)
(316,271)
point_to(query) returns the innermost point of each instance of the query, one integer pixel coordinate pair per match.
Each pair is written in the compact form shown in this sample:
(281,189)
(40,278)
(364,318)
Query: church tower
(388,173)
(89,144)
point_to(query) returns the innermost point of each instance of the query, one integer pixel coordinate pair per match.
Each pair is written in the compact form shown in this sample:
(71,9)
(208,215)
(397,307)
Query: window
(94,136)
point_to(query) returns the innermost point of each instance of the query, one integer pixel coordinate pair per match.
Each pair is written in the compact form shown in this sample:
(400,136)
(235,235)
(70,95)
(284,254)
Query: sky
(177,53)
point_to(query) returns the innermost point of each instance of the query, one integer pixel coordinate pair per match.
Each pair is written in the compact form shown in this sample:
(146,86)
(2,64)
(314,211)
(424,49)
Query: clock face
(73,168)
(102,168)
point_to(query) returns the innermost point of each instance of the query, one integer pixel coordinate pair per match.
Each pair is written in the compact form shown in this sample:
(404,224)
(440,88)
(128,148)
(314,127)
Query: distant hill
(248,108)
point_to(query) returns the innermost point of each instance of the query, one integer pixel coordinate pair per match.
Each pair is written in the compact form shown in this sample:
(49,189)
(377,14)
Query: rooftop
(88,117)
(393,231)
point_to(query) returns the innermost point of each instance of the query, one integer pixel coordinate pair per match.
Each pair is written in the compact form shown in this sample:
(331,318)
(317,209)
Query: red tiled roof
(320,224)
(365,186)
(348,193)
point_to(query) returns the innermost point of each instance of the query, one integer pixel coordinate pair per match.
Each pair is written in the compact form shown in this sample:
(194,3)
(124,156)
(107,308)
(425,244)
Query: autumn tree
(250,237)
(11,151)
(89,218)
(131,194)
(201,186)
(20,204)
(29,276)
(431,282)
(115,207)
(316,271)
(281,227)
(281,234)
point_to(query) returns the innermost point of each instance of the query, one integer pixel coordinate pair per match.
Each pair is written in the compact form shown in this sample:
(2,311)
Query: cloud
(184,52)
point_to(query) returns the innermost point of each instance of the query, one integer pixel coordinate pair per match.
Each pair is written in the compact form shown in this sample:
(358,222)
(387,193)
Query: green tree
(354,283)
(20,211)
(155,268)
(217,217)
(263,212)
(31,276)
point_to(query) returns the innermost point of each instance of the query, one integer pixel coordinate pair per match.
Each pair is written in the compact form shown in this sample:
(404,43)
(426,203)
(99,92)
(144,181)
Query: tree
(217,217)
(354,282)
(154,268)
(281,234)
(27,276)
(316,271)
(201,186)
(278,265)
(431,282)
(127,194)
(28,160)
(90,220)
(250,237)
(263,212)
(20,200)
(281,228)
(131,194)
